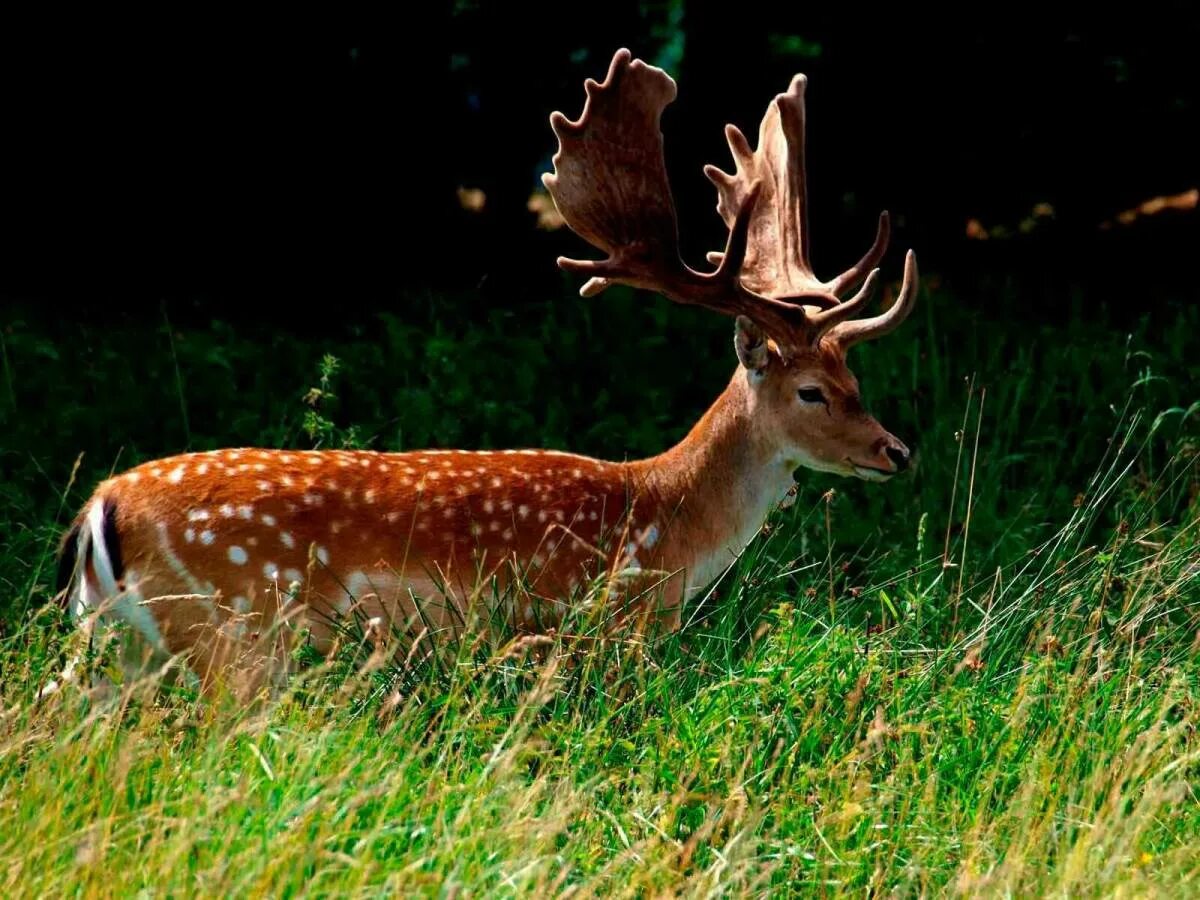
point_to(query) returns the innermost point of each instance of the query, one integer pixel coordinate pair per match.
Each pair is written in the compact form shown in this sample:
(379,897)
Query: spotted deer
(202,554)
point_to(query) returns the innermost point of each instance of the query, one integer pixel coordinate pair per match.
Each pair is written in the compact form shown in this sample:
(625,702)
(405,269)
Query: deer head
(792,330)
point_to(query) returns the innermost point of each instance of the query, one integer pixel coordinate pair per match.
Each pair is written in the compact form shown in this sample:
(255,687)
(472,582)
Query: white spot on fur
(496,481)
(489,507)
(207,537)
(271,570)
(132,477)
(493,526)
(369,496)
(226,510)
(174,562)
(649,537)
(314,460)
(312,499)
(202,469)
(290,575)
(393,517)
(323,556)
(285,538)
(189,535)
(157,473)
(507,534)
(541,515)
(263,486)
(286,459)
(237,555)
(268,520)
(241,605)
(523,511)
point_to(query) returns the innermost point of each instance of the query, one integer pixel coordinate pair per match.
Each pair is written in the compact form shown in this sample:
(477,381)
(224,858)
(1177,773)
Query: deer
(199,555)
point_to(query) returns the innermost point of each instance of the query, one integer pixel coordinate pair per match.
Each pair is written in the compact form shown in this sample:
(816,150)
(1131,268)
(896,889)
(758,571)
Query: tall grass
(981,680)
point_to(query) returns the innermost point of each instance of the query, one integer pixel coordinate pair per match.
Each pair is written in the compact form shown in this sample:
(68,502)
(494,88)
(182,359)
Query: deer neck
(713,490)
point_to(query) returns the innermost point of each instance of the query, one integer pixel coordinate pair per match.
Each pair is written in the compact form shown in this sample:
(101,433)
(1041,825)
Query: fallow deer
(202,553)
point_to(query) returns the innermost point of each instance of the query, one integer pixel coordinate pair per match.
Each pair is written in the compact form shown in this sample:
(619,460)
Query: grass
(981,679)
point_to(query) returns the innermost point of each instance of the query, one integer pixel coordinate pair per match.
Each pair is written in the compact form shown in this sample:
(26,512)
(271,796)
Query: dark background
(239,168)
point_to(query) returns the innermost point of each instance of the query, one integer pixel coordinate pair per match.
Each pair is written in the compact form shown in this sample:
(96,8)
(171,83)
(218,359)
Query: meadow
(980,678)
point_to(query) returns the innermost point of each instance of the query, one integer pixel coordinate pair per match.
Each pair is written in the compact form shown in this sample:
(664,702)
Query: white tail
(204,554)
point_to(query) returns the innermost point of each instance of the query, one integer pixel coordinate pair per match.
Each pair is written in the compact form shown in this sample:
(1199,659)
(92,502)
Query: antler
(778,262)
(610,185)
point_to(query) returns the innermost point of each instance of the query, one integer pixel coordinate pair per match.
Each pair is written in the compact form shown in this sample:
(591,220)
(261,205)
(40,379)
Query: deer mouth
(870,473)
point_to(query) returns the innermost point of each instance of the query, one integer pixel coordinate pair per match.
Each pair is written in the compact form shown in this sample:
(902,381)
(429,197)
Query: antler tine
(822,322)
(870,259)
(848,333)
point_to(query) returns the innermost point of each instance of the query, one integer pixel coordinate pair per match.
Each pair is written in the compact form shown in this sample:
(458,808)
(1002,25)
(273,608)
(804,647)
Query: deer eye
(811,395)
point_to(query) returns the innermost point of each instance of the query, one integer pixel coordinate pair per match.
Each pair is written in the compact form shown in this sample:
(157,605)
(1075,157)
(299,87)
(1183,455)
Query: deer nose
(899,457)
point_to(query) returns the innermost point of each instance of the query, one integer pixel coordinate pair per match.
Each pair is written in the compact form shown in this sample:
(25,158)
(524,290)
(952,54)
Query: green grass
(979,679)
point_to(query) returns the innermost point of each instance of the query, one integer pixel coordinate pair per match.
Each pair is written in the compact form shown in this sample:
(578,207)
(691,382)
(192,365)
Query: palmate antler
(610,185)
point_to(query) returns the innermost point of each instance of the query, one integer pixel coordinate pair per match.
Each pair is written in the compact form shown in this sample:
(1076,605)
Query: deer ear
(750,344)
